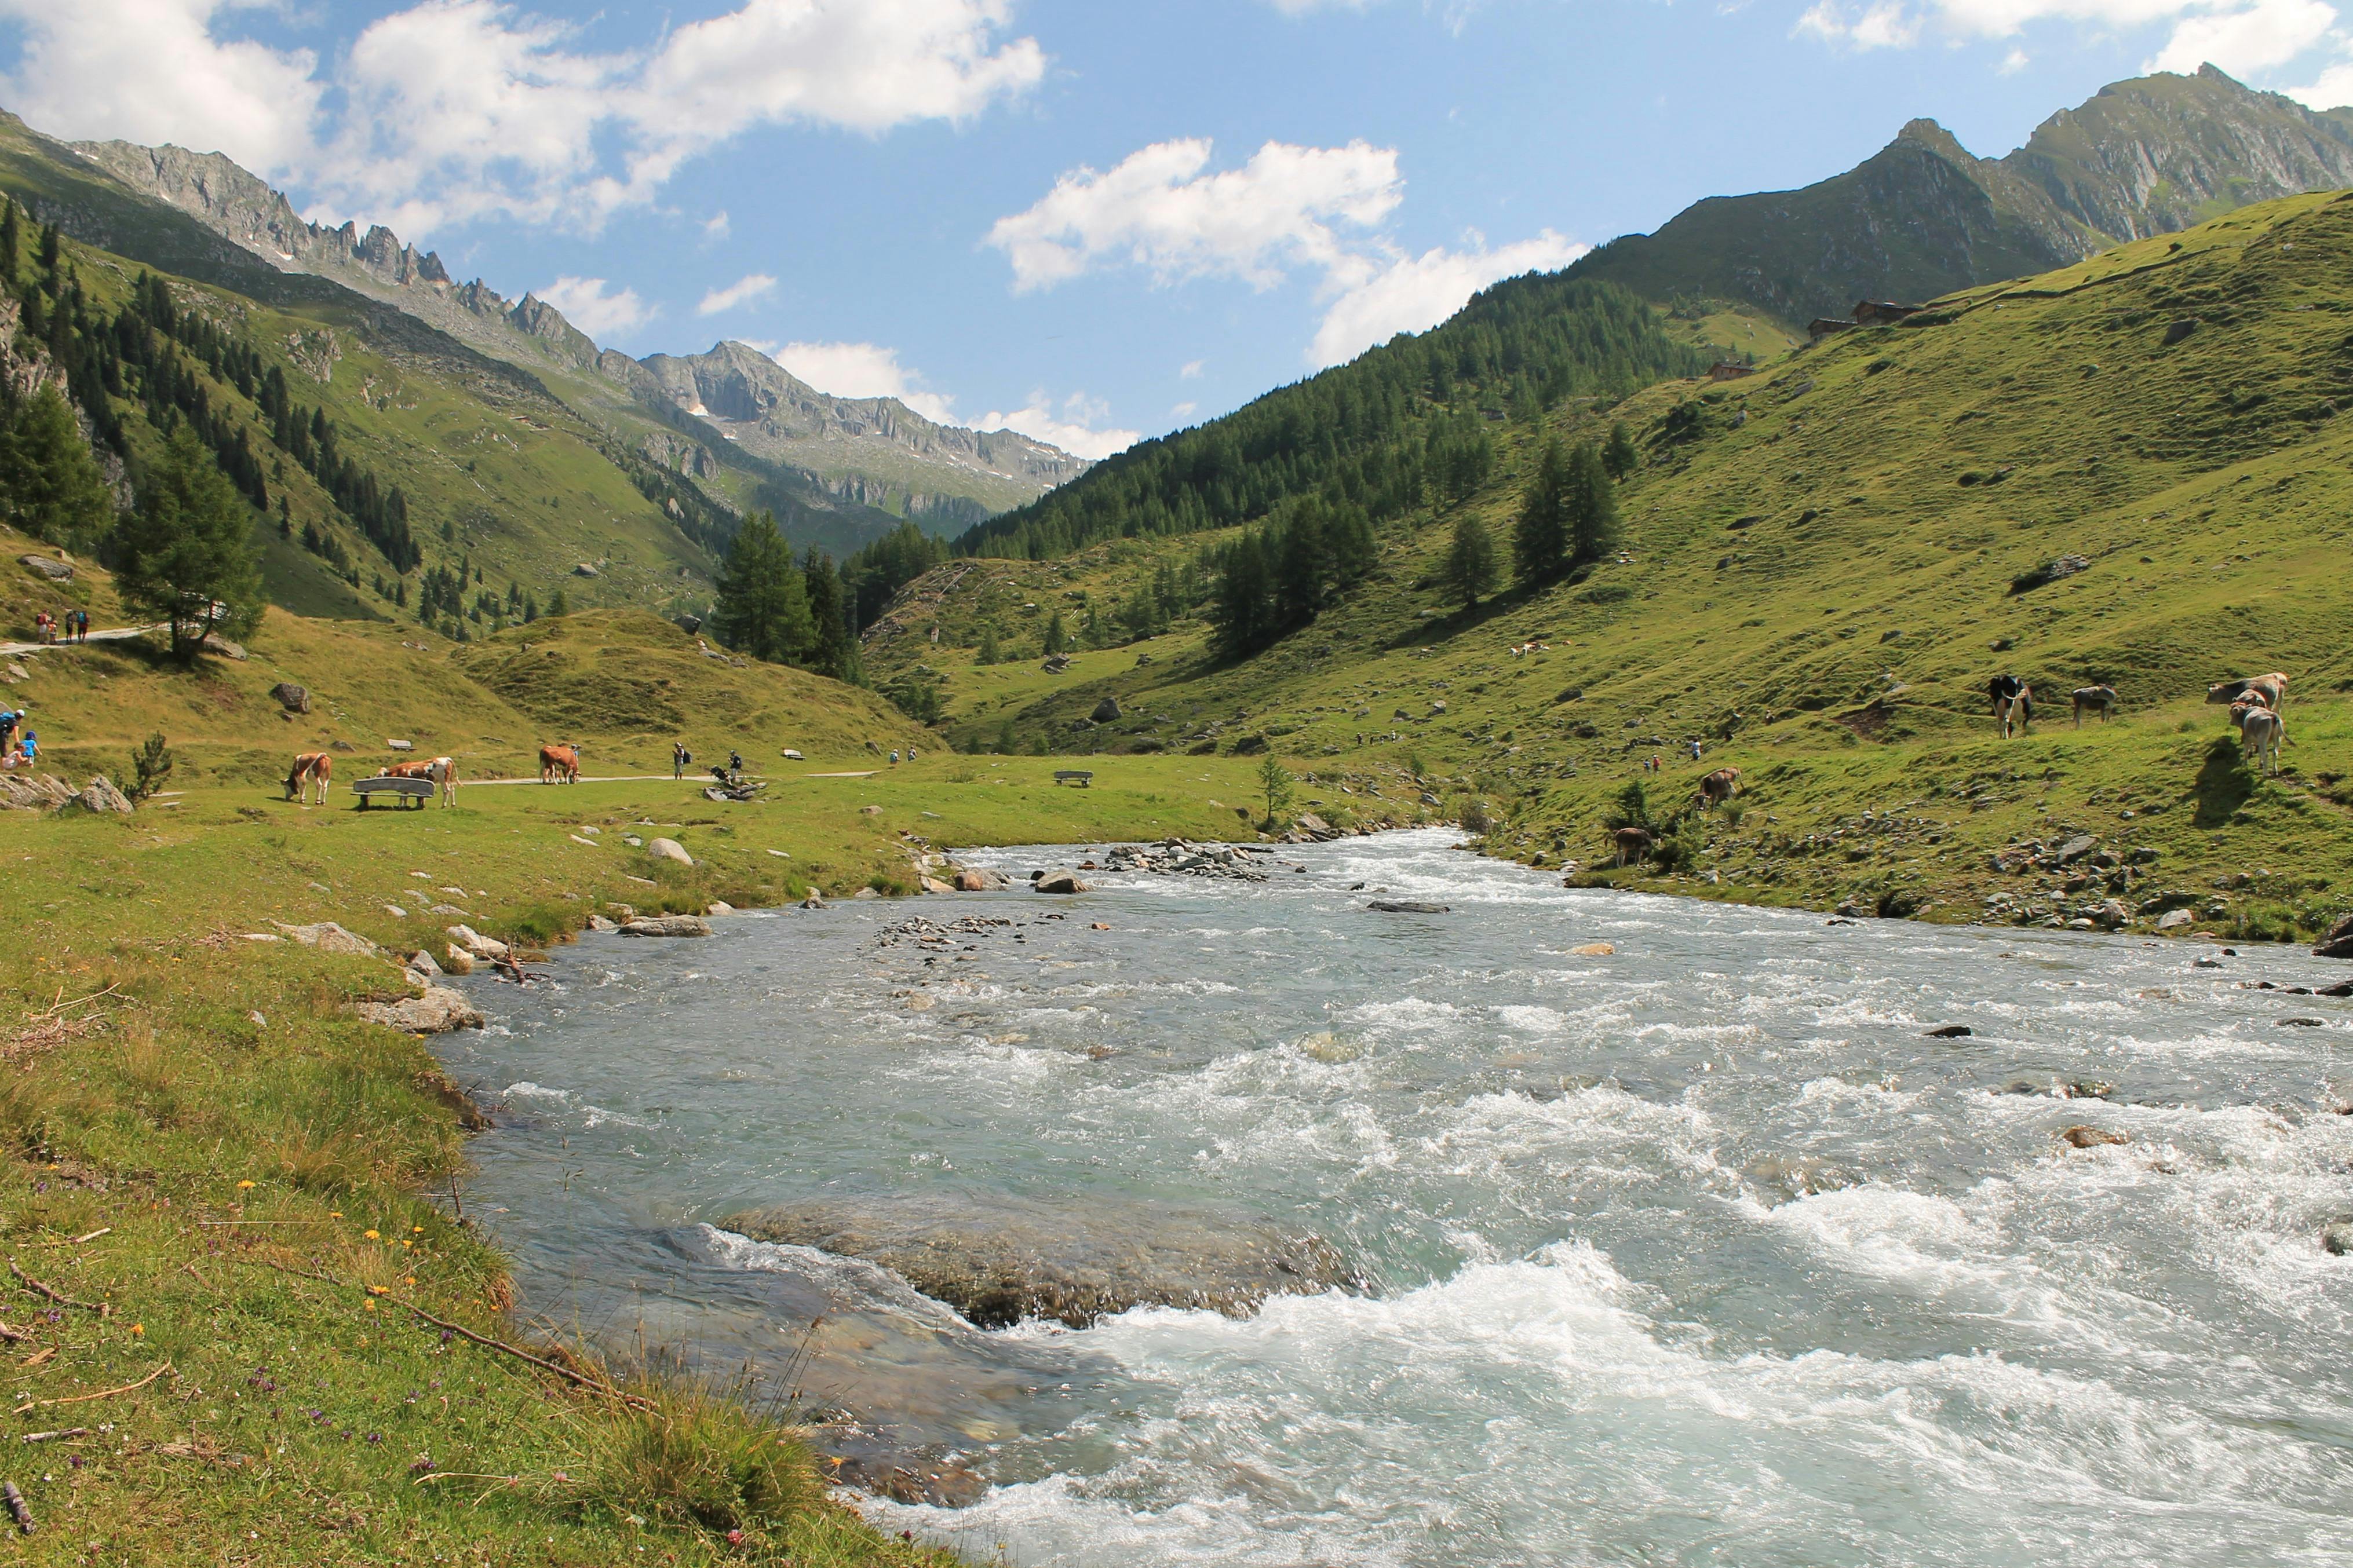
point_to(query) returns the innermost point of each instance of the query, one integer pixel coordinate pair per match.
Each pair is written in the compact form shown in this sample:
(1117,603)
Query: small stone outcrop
(1060,882)
(437,1012)
(1106,712)
(25,793)
(328,937)
(666,925)
(291,697)
(45,566)
(669,849)
(101,796)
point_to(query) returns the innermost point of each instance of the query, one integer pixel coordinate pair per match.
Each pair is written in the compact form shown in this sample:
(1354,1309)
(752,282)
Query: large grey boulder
(669,849)
(99,795)
(437,1012)
(1060,882)
(972,879)
(1092,1259)
(666,925)
(1106,712)
(43,566)
(291,697)
(22,792)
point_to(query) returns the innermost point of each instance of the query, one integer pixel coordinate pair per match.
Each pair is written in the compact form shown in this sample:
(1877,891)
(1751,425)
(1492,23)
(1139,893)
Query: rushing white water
(1699,1252)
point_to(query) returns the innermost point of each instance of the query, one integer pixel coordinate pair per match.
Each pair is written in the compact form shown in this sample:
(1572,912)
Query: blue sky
(1086,220)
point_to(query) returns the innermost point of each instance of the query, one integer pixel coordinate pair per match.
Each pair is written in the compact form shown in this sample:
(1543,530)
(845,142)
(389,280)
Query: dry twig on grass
(59,1296)
(103,1393)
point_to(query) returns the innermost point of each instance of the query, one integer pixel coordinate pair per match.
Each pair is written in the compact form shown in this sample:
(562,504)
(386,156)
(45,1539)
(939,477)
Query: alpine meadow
(1691,911)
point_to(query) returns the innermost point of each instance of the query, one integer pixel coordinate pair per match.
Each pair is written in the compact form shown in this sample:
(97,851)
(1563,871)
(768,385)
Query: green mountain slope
(1824,564)
(1923,217)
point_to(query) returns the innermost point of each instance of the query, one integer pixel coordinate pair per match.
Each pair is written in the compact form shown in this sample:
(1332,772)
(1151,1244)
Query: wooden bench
(419,791)
(1079,776)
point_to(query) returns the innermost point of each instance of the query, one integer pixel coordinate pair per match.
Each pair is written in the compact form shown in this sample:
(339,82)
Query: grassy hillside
(621,684)
(1824,564)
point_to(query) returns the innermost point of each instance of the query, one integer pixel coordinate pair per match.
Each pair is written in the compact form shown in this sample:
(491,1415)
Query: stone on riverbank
(2338,942)
(437,1012)
(666,925)
(328,937)
(669,849)
(1014,1260)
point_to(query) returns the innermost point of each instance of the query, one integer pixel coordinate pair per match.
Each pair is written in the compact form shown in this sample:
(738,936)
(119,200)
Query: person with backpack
(680,757)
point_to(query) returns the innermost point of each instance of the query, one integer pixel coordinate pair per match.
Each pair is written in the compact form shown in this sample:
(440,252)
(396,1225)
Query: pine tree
(1620,457)
(557,604)
(12,240)
(1055,641)
(988,652)
(763,606)
(187,553)
(50,484)
(1541,540)
(1470,570)
(1241,611)
(1300,565)
(832,649)
(1592,505)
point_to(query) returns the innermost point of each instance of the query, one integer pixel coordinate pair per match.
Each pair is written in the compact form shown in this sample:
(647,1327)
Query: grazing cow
(2271,690)
(1632,844)
(2013,702)
(2101,700)
(309,768)
(559,764)
(1716,788)
(2261,731)
(443,771)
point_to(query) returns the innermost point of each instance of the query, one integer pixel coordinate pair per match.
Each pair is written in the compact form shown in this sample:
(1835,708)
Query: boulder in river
(1060,882)
(2337,1237)
(2338,942)
(971,880)
(666,925)
(2091,1137)
(1950,1032)
(1408,906)
(1002,1259)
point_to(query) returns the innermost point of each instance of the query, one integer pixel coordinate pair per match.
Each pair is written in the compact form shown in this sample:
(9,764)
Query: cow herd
(314,770)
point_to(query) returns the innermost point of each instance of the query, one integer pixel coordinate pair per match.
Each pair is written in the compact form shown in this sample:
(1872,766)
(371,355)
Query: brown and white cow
(1632,844)
(559,764)
(2013,703)
(1716,788)
(2269,690)
(310,768)
(2100,699)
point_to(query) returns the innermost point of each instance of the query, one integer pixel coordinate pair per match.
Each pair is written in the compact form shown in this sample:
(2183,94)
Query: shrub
(699,1461)
(1682,848)
(150,768)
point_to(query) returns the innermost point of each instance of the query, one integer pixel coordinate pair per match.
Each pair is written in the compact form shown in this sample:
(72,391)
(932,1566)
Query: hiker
(28,750)
(81,625)
(734,762)
(910,754)
(679,759)
(1695,746)
(894,756)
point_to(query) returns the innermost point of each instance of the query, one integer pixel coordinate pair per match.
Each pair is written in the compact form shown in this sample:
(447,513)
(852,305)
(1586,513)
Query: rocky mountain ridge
(1923,216)
(876,452)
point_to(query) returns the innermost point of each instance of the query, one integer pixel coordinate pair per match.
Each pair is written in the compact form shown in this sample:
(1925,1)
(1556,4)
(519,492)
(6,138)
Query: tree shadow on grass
(2223,783)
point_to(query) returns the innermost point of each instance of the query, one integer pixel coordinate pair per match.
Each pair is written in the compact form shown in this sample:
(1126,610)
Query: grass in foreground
(242,1198)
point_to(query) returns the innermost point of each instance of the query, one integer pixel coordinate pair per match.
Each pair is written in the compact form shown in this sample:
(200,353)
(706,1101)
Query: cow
(1716,788)
(559,764)
(443,771)
(2013,702)
(1632,844)
(309,768)
(2271,690)
(2261,731)
(2101,700)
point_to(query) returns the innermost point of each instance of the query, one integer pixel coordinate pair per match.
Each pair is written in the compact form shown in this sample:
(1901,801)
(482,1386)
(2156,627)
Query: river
(1699,1252)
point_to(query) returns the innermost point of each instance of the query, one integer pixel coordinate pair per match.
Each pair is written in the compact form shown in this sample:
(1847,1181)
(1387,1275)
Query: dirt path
(111,634)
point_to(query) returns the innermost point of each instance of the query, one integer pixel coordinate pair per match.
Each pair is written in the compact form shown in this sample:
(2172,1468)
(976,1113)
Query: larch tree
(187,553)
(1540,540)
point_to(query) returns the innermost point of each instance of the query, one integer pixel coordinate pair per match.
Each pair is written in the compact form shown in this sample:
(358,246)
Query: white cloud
(2267,34)
(744,290)
(2015,61)
(1414,293)
(717,227)
(149,71)
(2242,37)
(1157,209)
(1184,411)
(1076,427)
(862,369)
(1189,371)
(2334,89)
(453,109)
(595,307)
